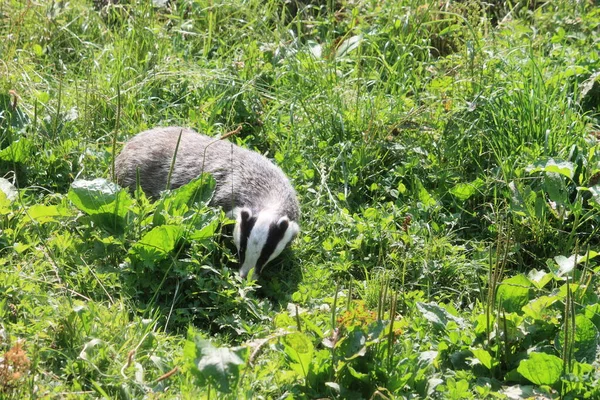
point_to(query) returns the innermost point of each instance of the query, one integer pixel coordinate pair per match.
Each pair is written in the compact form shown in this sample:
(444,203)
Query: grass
(445,156)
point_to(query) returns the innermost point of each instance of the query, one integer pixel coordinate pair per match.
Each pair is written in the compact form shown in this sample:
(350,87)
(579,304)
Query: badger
(249,188)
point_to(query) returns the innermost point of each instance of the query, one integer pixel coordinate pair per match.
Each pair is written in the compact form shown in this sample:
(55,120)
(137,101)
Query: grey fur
(244,179)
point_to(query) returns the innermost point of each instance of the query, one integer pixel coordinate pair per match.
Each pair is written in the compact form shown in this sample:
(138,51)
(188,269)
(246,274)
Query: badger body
(249,187)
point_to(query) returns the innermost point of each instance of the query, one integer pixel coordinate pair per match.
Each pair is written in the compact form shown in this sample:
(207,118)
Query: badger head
(261,237)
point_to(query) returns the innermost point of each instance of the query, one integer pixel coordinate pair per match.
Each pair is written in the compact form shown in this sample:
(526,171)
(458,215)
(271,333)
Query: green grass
(445,156)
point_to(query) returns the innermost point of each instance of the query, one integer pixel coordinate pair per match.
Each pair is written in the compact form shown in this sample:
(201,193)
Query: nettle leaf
(299,351)
(564,168)
(438,315)
(463,191)
(207,231)
(541,368)
(585,342)
(158,243)
(198,190)
(106,203)
(218,365)
(514,293)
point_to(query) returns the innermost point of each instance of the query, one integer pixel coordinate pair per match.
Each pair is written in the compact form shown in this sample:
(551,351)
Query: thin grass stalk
(333,309)
(116,131)
(173,161)
(391,333)
(298,319)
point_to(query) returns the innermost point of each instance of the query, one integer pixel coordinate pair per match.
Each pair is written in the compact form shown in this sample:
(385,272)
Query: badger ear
(283,223)
(243,214)
(294,229)
(289,228)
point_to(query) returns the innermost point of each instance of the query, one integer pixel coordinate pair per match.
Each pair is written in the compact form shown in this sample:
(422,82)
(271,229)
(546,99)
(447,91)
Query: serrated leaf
(158,243)
(513,293)
(541,368)
(219,365)
(199,190)
(299,350)
(206,232)
(564,168)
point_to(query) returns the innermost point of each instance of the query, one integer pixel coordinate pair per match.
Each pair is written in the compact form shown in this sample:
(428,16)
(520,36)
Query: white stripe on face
(256,241)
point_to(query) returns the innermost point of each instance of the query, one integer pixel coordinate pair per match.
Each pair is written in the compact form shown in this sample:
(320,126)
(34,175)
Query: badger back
(243,178)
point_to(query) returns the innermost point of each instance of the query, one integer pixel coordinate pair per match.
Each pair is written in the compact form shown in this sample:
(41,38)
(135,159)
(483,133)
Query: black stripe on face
(247,223)
(276,233)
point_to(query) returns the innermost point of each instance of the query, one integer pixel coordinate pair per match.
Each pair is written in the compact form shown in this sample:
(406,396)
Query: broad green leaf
(103,201)
(424,197)
(484,358)
(99,196)
(541,368)
(464,191)
(564,168)
(218,365)
(539,278)
(557,191)
(567,264)
(592,311)
(523,199)
(42,213)
(352,344)
(358,375)
(206,232)
(158,243)
(513,293)
(586,340)
(536,308)
(437,315)
(19,151)
(299,350)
